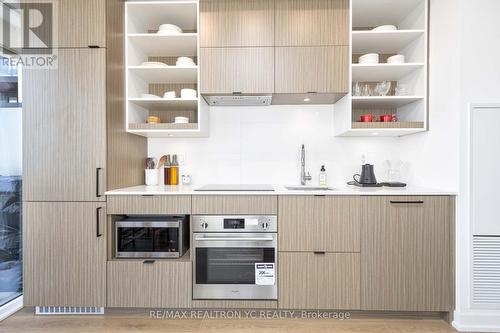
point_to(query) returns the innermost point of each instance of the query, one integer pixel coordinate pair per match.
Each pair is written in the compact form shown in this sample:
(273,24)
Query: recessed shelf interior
(384,41)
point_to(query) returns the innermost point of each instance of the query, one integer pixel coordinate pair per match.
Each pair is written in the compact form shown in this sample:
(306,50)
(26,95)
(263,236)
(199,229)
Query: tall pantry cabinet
(74,146)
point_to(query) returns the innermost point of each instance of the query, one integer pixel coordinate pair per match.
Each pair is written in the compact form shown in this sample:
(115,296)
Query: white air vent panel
(69,310)
(486,272)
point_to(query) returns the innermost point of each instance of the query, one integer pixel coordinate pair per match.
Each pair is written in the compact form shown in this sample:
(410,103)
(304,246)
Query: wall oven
(234,257)
(151,237)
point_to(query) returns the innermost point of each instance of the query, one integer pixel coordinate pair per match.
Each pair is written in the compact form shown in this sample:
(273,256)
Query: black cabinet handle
(418,202)
(98,221)
(319,252)
(148,262)
(98,182)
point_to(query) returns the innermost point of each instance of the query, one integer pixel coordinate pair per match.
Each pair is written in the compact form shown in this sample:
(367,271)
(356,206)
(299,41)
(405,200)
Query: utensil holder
(151,176)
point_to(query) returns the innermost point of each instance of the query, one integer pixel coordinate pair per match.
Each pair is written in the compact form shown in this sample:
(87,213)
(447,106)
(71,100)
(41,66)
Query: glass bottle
(174,171)
(166,179)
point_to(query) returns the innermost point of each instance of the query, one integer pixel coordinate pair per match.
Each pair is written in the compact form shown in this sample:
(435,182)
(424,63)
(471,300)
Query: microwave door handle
(265,239)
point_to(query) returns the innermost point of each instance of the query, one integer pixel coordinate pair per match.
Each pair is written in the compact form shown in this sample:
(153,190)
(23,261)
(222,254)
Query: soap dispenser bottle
(322,176)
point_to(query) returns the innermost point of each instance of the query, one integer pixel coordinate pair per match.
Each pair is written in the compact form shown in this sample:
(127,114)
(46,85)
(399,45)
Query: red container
(366,118)
(385,118)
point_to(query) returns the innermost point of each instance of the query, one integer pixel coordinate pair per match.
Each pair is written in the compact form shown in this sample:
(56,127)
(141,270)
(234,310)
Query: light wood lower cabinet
(248,70)
(149,204)
(406,253)
(64,246)
(319,281)
(162,284)
(235,204)
(319,223)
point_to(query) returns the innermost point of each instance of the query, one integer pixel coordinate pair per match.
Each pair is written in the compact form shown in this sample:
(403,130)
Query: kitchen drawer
(319,223)
(149,204)
(235,204)
(162,284)
(319,281)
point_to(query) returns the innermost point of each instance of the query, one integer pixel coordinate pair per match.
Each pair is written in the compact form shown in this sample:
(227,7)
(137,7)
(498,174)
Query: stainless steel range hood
(239,100)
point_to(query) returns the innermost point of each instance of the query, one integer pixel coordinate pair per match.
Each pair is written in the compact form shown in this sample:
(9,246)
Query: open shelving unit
(411,40)
(144,44)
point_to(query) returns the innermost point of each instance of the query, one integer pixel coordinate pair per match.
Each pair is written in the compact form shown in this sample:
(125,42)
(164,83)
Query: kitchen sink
(309,188)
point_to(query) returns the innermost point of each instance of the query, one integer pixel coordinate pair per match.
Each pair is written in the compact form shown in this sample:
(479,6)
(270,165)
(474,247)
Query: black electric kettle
(367,176)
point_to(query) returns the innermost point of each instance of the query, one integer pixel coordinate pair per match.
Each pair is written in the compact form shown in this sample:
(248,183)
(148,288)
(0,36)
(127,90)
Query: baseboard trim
(11,307)
(477,321)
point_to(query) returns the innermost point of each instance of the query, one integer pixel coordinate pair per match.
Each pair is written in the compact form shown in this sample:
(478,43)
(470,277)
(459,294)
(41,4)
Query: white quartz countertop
(278,190)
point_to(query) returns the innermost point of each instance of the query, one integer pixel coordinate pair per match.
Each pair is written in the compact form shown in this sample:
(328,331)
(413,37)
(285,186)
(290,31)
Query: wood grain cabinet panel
(162,284)
(319,281)
(64,259)
(312,22)
(319,223)
(81,23)
(232,23)
(64,128)
(406,253)
(246,70)
(149,204)
(322,69)
(235,204)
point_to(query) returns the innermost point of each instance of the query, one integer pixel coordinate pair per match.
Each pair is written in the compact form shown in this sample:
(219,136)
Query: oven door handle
(239,239)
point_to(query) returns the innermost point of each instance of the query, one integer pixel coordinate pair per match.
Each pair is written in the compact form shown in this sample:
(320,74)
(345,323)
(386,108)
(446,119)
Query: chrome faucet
(304,176)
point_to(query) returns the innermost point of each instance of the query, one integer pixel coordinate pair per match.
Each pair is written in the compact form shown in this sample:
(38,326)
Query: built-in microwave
(152,236)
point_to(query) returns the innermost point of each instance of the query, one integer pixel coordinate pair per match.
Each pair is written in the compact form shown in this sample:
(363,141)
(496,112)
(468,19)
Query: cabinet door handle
(148,262)
(319,252)
(98,182)
(419,202)
(98,221)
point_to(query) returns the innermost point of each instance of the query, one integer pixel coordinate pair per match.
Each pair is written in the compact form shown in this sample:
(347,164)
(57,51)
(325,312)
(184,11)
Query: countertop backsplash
(262,145)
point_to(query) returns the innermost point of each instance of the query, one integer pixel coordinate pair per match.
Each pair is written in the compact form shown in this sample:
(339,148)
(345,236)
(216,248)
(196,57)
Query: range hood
(239,100)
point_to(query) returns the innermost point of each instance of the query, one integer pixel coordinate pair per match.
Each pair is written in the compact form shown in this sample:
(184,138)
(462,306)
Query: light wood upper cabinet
(162,284)
(319,281)
(323,69)
(64,127)
(312,22)
(231,23)
(406,262)
(64,256)
(245,70)
(319,223)
(80,23)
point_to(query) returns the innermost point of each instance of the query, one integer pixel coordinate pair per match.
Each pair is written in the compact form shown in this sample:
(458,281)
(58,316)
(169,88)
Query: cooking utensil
(366,118)
(367,176)
(150,163)
(385,118)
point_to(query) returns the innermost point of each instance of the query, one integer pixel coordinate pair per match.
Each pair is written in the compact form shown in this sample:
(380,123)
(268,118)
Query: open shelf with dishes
(162,73)
(388,70)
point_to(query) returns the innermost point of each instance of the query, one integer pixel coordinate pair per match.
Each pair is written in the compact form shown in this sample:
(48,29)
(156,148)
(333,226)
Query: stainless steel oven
(234,257)
(151,237)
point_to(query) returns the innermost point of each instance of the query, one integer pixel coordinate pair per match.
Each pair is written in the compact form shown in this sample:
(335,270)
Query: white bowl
(169,95)
(181,120)
(169,28)
(184,61)
(153,64)
(188,93)
(150,96)
(387,27)
(370,58)
(396,59)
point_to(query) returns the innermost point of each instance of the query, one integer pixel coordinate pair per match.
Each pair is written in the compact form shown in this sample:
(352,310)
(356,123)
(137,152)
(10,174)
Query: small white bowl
(153,64)
(396,59)
(150,96)
(370,58)
(188,93)
(169,28)
(181,120)
(388,27)
(169,95)
(184,61)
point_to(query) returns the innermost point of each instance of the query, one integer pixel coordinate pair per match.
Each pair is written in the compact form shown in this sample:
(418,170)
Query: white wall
(262,145)
(10,142)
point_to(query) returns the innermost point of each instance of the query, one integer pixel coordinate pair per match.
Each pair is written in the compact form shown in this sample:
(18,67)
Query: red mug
(366,118)
(385,118)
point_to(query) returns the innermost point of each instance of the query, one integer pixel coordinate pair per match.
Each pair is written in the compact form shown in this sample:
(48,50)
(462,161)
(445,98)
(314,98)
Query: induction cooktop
(236,187)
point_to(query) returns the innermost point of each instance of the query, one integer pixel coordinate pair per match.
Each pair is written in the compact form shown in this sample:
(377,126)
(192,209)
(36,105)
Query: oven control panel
(224,223)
